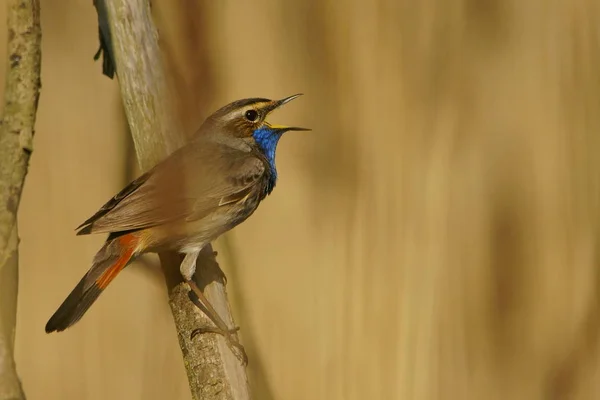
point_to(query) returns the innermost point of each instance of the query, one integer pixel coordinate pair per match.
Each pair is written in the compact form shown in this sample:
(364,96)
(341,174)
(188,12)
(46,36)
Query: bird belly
(189,236)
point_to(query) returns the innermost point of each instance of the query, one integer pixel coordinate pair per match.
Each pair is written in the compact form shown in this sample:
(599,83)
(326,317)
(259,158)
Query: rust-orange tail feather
(108,262)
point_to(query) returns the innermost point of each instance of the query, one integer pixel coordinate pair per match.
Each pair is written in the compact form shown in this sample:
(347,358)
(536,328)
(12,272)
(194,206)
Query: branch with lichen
(16,137)
(213,370)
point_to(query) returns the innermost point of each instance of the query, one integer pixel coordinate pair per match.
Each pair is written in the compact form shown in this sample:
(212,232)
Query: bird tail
(108,262)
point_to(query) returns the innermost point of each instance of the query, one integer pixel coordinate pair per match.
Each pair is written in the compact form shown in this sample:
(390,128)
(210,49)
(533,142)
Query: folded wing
(190,184)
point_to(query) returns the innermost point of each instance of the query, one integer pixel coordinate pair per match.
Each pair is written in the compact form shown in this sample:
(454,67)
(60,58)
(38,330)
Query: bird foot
(220,327)
(232,342)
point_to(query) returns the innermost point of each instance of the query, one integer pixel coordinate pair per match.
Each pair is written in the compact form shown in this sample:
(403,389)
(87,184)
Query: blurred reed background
(435,237)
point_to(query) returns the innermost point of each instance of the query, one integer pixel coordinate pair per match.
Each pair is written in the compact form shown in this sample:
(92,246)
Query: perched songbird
(199,192)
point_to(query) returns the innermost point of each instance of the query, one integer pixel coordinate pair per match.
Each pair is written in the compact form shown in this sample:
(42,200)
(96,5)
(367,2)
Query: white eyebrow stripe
(240,111)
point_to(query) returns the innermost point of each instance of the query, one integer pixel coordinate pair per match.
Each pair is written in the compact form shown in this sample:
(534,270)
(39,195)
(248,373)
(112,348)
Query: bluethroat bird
(204,189)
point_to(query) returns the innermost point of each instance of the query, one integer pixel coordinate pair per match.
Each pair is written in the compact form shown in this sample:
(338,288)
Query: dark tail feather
(74,306)
(108,262)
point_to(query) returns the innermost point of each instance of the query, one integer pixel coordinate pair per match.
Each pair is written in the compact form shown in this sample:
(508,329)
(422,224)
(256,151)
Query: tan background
(435,236)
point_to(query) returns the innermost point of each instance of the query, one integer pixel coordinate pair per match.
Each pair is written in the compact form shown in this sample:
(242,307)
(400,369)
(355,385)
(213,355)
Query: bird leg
(221,327)
(188,268)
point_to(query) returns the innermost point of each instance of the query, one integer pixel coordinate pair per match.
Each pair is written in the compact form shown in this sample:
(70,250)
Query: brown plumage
(196,194)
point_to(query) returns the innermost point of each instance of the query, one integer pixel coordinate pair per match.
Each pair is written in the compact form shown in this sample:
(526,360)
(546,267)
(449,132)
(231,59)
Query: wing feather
(188,185)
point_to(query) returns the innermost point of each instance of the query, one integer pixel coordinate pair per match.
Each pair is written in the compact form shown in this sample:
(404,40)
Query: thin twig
(213,371)
(16,144)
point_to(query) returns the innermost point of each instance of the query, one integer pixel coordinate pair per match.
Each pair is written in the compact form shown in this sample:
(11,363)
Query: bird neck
(267,140)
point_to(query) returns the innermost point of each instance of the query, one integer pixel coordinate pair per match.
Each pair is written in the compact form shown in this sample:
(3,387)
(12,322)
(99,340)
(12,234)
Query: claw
(220,325)
(213,329)
(234,345)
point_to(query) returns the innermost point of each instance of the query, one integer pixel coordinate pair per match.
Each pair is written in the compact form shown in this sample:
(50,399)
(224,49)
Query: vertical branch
(142,80)
(213,371)
(16,138)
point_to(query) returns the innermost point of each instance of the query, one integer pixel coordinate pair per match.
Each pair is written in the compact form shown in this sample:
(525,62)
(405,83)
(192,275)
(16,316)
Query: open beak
(275,104)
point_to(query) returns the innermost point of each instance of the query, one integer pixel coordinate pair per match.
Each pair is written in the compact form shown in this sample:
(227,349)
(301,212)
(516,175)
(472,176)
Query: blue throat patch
(267,140)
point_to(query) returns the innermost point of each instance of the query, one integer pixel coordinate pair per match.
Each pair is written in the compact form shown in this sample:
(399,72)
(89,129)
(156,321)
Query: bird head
(246,119)
(243,123)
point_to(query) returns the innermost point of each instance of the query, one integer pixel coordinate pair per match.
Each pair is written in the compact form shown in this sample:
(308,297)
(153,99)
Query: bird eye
(251,115)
